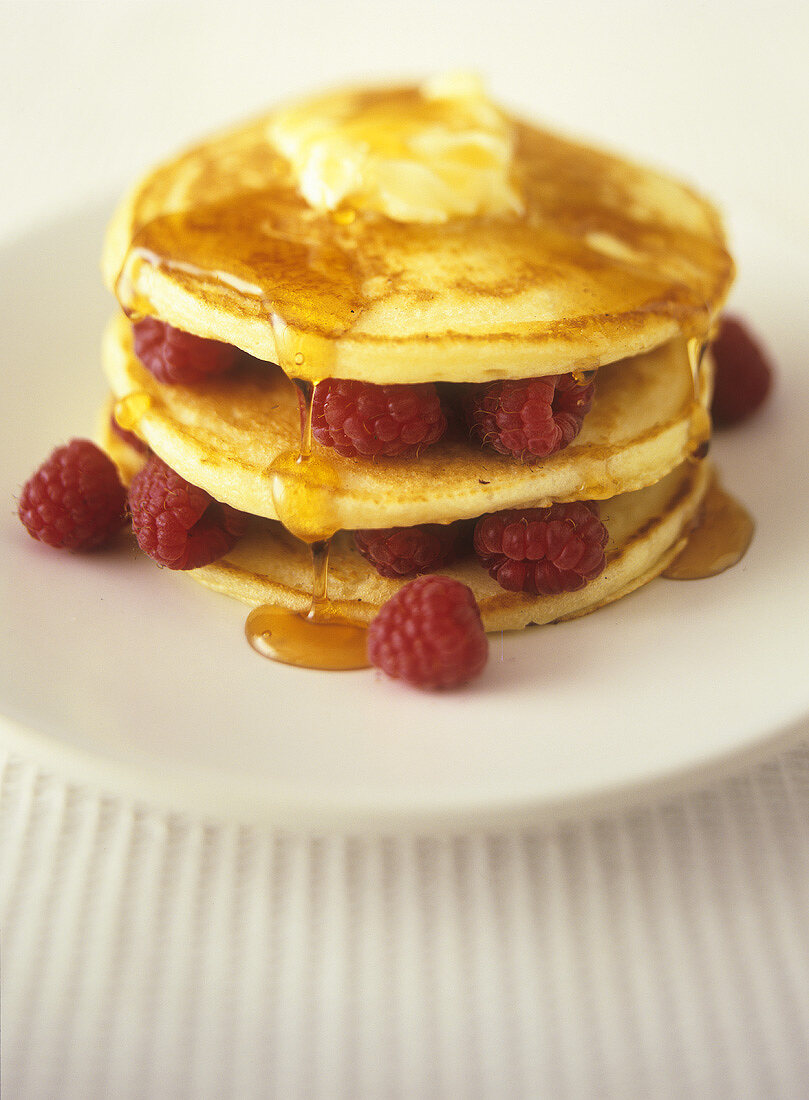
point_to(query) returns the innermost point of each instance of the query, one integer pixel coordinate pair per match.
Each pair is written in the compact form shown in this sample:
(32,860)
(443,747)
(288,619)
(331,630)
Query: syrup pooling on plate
(317,638)
(720,538)
(293,638)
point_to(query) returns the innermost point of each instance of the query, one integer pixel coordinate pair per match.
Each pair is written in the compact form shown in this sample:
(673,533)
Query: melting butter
(415,155)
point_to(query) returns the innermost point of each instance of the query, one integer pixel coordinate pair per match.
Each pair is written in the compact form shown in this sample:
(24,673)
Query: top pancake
(607,260)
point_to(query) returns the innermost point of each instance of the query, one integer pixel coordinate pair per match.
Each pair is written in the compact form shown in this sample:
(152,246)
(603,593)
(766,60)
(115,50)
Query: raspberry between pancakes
(363,419)
(404,551)
(177,357)
(543,551)
(530,418)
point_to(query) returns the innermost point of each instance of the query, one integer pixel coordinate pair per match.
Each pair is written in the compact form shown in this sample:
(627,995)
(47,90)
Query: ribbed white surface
(659,953)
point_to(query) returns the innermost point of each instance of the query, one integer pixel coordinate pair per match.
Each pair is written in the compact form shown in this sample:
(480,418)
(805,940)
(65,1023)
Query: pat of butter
(414,154)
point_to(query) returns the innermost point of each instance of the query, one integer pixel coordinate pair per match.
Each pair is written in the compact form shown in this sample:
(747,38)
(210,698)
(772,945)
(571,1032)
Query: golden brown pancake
(224,434)
(647,529)
(606,261)
(601,265)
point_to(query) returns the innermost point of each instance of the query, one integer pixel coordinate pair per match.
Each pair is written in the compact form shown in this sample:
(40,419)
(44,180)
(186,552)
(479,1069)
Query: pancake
(224,434)
(606,260)
(548,257)
(647,529)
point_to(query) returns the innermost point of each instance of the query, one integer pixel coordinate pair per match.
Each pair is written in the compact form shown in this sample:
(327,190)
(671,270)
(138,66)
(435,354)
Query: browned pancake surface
(608,260)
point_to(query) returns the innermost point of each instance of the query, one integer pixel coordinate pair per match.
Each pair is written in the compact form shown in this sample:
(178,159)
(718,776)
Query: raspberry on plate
(429,634)
(405,551)
(177,357)
(178,524)
(363,419)
(542,551)
(743,374)
(75,500)
(531,418)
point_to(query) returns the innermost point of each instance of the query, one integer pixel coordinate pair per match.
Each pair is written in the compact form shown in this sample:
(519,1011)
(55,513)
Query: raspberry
(177,357)
(405,551)
(361,418)
(743,374)
(75,500)
(531,418)
(129,438)
(429,634)
(177,524)
(542,550)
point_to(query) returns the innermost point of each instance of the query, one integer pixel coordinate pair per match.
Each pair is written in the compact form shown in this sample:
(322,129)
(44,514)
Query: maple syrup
(297,638)
(344,215)
(302,486)
(241,238)
(720,538)
(129,411)
(318,638)
(583,377)
(303,494)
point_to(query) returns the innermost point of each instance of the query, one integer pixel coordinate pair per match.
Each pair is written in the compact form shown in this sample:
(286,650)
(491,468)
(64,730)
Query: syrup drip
(129,411)
(304,483)
(700,437)
(318,638)
(344,215)
(583,377)
(720,539)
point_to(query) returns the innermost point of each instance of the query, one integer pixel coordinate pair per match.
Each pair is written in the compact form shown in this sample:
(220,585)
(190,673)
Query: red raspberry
(531,418)
(542,550)
(177,524)
(429,634)
(75,500)
(177,357)
(361,418)
(405,551)
(743,374)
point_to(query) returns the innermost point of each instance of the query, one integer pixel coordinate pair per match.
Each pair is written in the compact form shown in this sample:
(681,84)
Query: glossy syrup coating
(606,260)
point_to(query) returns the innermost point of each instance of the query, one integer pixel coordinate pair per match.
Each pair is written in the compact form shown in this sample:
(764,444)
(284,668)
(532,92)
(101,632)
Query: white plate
(140,682)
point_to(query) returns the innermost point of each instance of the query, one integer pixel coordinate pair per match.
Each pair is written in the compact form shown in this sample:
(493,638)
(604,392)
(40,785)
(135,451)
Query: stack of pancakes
(608,267)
